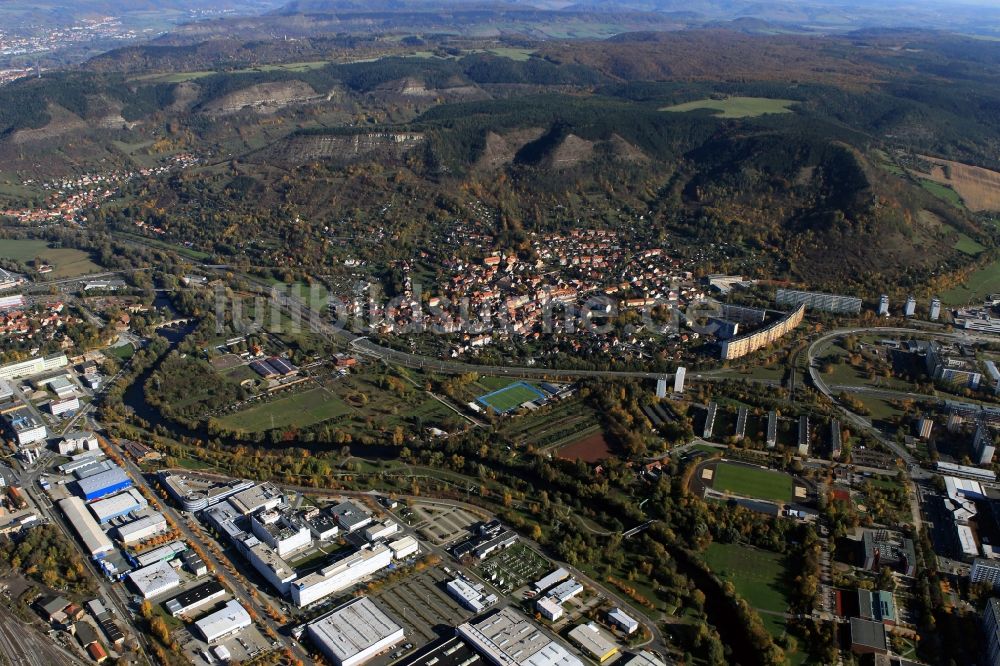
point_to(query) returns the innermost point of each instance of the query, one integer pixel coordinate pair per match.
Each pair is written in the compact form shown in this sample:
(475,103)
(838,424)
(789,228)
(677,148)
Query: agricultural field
(979,188)
(559,424)
(757,575)
(754,482)
(299,410)
(590,448)
(736,107)
(984,281)
(66,262)
(511,397)
(942,191)
(969,246)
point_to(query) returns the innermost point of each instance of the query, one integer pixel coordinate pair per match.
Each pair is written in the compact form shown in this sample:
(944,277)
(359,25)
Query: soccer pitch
(752,482)
(510,397)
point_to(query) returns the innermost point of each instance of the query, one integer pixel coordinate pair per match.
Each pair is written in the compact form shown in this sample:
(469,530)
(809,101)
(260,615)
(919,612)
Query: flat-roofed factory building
(226,621)
(508,638)
(355,632)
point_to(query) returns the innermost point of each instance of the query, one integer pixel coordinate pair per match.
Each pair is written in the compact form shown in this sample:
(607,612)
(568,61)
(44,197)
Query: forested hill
(805,157)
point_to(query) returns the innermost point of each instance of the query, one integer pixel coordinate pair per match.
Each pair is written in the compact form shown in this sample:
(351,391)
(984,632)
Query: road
(656,643)
(864,424)
(113,598)
(238,587)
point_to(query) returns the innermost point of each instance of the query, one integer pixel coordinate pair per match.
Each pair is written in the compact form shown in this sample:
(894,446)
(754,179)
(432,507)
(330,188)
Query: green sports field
(757,575)
(506,399)
(752,482)
(300,411)
(736,107)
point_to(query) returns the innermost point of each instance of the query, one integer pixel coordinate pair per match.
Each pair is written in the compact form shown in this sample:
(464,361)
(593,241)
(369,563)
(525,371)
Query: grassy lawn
(762,484)
(969,246)
(300,410)
(984,281)
(510,397)
(66,262)
(123,352)
(757,575)
(880,409)
(737,107)
(768,372)
(942,192)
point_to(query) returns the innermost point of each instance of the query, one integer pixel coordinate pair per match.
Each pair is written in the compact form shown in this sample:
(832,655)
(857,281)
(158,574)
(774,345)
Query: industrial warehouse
(354,632)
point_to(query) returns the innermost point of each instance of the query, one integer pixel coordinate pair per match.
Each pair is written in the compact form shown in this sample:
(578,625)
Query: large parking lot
(243,646)
(422,604)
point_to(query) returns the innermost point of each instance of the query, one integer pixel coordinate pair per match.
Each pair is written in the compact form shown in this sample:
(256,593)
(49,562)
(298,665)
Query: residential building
(910,308)
(983,446)
(991,630)
(772,429)
(836,440)
(713,409)
(935,312)
(679,379)
(985,571)
(994,374)
(952,370)
(818,301)
(883,306)
(741,422)
(747,344)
